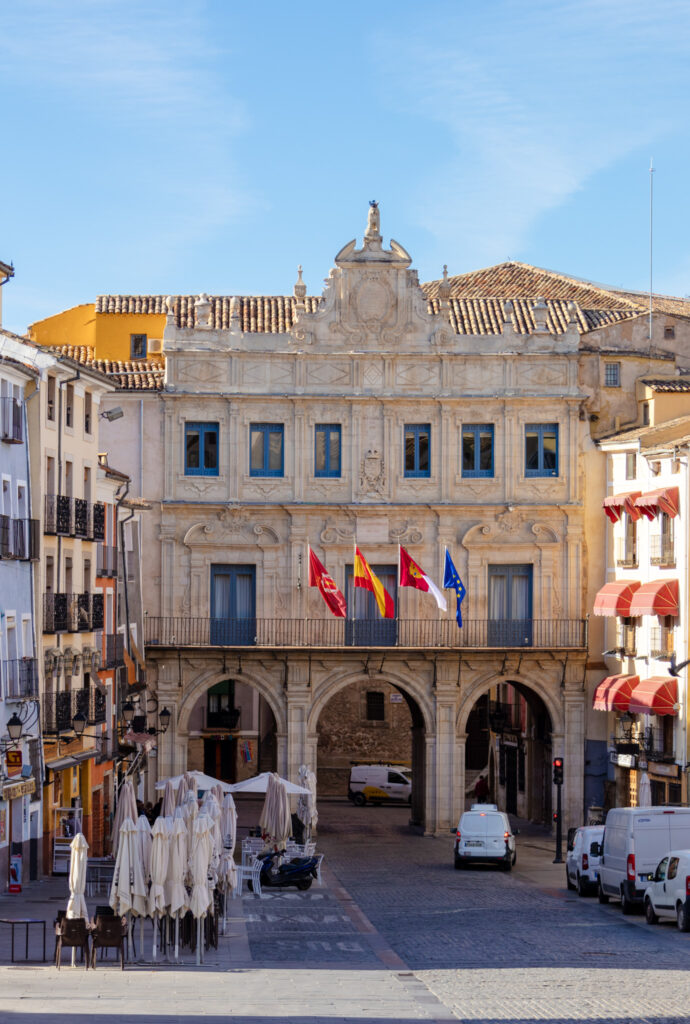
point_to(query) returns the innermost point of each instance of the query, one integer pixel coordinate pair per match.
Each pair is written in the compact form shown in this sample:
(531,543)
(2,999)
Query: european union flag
(452,581)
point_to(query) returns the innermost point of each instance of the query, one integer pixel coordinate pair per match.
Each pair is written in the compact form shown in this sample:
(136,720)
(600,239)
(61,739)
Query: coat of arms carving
(372,477)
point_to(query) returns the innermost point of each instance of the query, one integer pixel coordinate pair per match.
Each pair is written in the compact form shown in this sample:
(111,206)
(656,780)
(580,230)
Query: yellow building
(114,329)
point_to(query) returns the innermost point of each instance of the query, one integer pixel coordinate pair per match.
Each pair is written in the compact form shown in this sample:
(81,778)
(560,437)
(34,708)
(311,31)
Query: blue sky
(151,147)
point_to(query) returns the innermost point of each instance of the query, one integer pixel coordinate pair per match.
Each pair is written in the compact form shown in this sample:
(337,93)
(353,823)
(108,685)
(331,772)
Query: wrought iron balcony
(99,521)
(59,515)
(20,678)
(222,719)
(60,708)
(114,650)
(56,613)
(657,745)
(626,554)
(662,551)
(106,561)
(96,611)
(82,525)
(11,421)
(545,634)
(19,538)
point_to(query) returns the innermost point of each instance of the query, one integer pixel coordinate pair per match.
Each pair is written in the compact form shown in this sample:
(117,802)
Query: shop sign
(17,789)
(623,760)
(668,771)
(396,698)
(510,741)
(13,760)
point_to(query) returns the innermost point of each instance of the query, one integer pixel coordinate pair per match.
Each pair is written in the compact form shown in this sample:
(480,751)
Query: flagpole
(306,590)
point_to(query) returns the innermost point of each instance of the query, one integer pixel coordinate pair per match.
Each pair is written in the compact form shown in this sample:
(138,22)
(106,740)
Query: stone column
(574,756)
(448,774)
(298,701)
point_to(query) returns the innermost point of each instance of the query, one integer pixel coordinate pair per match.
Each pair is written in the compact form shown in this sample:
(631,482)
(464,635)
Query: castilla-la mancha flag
(411,575)
(318,577)
(364,577)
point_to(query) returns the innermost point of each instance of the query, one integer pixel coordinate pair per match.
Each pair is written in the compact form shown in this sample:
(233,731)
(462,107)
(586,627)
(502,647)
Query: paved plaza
(393,934)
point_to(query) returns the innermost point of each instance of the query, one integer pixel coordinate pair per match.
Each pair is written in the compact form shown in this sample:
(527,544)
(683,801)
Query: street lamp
(129,710)
(15,727)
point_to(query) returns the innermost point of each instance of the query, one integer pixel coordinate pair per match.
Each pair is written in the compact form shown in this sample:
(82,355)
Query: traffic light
(558,771)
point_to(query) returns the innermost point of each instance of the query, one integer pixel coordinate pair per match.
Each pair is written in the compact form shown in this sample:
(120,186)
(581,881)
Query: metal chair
(72,933)
(108,933)
(250,873)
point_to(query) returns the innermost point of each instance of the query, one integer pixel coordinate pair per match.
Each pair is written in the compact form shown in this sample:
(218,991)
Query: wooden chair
(109,933)
(72,933)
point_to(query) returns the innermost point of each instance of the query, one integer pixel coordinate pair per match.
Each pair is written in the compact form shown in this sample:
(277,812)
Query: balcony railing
(60,708)
(114,650)
(661,643)
(96,611)
(106,561)
(20,678)
(19,538)
(56,613)
(11,421)
(98,521)
(408,633)
(626,554)
(59,515)
(662,551)
(82,524)
(222,719)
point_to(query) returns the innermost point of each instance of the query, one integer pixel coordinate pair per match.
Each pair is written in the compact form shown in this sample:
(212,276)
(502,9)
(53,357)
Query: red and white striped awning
(655,696)
(615,505)
(613,693)
(664,500)
(614,598)
(660,597)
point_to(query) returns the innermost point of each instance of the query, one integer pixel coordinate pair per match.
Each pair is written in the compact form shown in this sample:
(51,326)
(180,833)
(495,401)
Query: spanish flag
(364,577)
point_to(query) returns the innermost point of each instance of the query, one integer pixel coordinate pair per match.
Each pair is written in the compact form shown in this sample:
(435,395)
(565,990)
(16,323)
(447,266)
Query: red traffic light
(558,762)
(555,815)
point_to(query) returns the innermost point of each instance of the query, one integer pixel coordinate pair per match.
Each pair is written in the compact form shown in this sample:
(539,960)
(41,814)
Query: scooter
(300,872)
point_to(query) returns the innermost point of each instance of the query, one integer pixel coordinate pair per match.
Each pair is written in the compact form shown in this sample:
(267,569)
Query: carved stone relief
(406,533)
(334,534)
(372,475)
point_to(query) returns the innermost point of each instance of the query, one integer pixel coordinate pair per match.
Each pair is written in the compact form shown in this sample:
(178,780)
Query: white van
(668,892)
(635,840)
(582,859)
(379,783)
(484,834)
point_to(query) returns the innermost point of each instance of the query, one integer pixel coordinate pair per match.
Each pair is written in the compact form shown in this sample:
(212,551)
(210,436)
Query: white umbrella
(644,791)
(180,792)
(140,905)
(175,892)
(194,780)
(202,851)
(168,805)
(227,871)
(228,822)
(76,906)
(126,808)
(121,890)
(275,818)
(259,784)
(160,853)
(306,805)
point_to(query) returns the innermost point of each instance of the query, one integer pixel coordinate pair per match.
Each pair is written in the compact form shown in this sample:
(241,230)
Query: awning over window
(665,500)
(613,693)
(660,597)
(655,696)
(614,598)
(617,504)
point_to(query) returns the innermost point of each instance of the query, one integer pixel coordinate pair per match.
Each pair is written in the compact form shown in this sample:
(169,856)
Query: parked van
(635,840)
(379,783)
(484,834)
(668,892)
(582,859)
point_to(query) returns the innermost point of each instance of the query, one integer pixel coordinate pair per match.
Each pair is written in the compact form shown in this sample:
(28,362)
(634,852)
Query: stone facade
(379,362)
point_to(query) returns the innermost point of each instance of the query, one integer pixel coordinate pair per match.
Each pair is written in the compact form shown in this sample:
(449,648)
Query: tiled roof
(485,316)
(262,314)
(132,375)
(668,384)
(647,431)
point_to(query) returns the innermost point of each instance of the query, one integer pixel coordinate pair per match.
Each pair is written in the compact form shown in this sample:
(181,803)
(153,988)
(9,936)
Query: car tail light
(458,836)
(687,885)
(506,835)
(585,862)
(631,867)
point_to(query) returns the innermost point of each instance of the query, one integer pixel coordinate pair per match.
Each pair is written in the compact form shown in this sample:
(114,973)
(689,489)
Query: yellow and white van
(379,783)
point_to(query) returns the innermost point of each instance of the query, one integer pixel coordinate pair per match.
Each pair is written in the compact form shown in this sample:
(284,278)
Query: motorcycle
(301,872)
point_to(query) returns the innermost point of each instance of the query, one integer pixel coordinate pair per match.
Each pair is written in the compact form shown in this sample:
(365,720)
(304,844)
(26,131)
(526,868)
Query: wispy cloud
(534,99)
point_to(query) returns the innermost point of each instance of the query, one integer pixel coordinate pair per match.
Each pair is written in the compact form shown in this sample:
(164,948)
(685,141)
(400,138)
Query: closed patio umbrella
(644,791)
(175,892)
(76,907)
(306,805)
(143,844)
(275,819)
(160,853)
(227,872)
(126,808)
(168,805)
(202,851)
(129,891)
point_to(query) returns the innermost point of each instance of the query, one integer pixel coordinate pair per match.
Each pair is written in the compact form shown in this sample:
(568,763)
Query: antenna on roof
(651,238)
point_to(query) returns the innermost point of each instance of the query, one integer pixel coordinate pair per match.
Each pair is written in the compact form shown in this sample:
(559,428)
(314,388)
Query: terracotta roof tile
(131,375)
(668,384)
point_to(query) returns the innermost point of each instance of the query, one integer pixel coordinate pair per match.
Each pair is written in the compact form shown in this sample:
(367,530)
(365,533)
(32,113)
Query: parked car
(582,859)
(484,834)
(635,840)
(379,783)
(668,893)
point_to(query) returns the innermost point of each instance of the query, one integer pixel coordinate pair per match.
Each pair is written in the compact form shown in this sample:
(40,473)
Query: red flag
(412,575)
(318,577)
(363,576)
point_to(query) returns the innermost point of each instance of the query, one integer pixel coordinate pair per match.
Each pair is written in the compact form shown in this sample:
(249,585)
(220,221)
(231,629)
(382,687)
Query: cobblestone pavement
(394,934)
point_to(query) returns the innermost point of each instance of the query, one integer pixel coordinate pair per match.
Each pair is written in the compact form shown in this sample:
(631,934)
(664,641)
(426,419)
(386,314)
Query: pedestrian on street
(481,790)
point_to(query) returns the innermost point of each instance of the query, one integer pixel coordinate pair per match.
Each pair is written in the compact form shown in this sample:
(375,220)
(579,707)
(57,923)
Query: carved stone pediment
(232,525)
(334,533)
(510,528)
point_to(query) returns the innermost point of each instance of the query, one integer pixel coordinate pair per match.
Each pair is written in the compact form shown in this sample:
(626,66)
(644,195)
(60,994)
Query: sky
(157,148)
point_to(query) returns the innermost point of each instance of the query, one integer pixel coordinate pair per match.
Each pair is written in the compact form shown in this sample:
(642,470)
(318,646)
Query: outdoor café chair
(108,933)
(248,872)
(72,933)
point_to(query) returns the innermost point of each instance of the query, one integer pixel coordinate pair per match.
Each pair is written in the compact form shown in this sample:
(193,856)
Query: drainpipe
(69,380)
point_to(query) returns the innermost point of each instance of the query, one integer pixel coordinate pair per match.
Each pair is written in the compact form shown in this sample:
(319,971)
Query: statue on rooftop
(373,232)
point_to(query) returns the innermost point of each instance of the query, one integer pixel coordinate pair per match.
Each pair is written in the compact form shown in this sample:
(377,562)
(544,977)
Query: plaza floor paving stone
(394,934)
